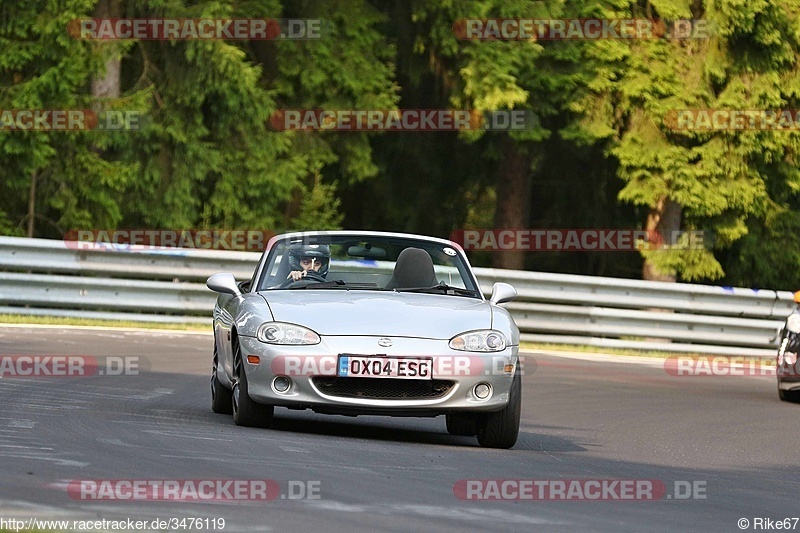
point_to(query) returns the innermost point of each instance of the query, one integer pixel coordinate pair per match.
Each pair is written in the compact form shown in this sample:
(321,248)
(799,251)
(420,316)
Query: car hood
(340,312)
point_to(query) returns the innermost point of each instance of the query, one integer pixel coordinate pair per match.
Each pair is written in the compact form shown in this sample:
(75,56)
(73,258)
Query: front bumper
(788,371)
(314,382)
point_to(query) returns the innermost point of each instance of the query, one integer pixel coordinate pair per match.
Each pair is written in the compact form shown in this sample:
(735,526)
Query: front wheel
(246,411)
(501,429)
(221,396)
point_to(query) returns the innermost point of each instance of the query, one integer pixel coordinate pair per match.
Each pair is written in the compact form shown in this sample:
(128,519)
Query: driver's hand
(296,275)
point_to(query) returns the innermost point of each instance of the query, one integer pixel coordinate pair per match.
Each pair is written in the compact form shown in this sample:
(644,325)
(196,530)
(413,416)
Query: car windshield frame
(450,262)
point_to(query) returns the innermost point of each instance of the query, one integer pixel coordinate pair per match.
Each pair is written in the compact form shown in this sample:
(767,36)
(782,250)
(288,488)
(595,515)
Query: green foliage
(203,156)
(769,255)
(719,178)
(604,153)
(42,68)
(319,209)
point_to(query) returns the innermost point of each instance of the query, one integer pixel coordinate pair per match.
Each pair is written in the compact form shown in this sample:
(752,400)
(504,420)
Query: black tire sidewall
(249,412)
(501,429)
(221,396)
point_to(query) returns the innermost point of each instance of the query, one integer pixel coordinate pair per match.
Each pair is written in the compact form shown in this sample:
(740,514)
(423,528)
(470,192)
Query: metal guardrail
(116,261)
(644,315)
(46,277)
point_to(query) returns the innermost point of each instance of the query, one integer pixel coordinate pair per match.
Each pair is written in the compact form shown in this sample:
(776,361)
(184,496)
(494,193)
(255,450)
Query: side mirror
(223,282)
(502,292)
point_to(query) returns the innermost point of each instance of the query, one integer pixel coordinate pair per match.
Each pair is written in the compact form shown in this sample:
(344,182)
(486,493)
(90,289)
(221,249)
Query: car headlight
(282,333)
(793,323)
(487,340)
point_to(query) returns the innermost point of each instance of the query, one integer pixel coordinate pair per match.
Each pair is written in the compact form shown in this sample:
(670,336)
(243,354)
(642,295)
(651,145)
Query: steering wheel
(310,276)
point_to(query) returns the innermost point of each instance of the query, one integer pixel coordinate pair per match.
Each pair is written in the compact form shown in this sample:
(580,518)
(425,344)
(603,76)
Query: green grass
(604,350)
(91,322)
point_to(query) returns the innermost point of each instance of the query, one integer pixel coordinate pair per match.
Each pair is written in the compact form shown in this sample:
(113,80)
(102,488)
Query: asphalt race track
(725,448)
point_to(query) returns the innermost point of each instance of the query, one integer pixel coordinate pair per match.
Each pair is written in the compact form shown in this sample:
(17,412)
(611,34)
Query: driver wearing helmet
(307,258)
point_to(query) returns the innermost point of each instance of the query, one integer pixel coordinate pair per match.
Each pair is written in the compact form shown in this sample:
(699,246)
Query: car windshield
(358,262)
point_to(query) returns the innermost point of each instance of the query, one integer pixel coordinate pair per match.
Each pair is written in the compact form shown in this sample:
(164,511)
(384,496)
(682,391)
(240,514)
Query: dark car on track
(788,366)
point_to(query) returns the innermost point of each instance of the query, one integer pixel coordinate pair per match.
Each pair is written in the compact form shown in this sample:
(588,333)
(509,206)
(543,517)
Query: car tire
(221,396)
(246,411)
(501,429)
(463,425)
(789,395)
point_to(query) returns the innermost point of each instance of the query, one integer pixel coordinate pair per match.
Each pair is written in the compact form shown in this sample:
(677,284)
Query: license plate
(352,366)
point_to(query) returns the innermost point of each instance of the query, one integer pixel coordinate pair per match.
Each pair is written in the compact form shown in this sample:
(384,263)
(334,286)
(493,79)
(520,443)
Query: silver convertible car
(367,323)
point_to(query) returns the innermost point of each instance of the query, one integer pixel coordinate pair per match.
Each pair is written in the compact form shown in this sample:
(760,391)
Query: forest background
(602,153)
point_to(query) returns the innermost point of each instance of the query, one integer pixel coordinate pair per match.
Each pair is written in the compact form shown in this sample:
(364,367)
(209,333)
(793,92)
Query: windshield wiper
(443,288)
(336,284)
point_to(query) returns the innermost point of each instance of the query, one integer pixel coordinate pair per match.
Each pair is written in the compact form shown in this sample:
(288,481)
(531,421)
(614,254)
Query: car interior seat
(414,268)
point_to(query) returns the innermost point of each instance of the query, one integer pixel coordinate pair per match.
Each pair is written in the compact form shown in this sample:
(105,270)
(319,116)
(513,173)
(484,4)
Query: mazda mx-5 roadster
(367,323)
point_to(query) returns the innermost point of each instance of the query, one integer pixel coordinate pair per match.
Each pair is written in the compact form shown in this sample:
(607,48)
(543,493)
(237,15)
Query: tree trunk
(513,200)
(107,85)
(665,220)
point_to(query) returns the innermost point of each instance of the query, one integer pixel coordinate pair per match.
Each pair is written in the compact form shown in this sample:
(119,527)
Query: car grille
(383,388)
